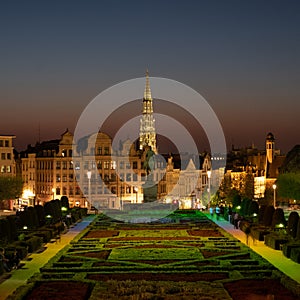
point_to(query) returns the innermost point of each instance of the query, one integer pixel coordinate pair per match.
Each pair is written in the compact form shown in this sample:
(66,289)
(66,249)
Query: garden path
(275,257)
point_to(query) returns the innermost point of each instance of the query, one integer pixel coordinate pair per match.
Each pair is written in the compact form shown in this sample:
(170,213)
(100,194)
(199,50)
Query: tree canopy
(289,185)
(10,187)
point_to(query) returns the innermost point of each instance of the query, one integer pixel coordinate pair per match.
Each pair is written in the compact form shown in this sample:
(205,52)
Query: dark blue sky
(242,56)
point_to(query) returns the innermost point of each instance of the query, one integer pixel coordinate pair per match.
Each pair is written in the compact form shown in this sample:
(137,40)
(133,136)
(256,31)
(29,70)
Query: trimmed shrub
(278,218)
(295,255)
(286,248)
(292,224)
(298,231)
(253,208)
(34,243)
(261,213)
(274,241)
(268,215)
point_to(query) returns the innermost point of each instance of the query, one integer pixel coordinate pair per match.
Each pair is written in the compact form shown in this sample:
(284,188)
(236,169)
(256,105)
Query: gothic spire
(147,92)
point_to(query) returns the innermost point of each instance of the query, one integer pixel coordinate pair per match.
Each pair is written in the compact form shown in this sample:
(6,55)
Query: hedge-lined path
(38,260)
(275,257)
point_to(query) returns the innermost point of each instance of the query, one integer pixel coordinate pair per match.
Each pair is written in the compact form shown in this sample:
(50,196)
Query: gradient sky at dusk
(242,56)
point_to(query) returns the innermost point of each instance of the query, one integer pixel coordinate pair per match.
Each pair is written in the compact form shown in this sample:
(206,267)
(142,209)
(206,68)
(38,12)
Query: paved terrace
(20,276)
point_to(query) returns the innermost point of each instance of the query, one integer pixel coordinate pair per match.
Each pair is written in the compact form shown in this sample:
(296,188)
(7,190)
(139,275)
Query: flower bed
(212,253)
(258,289)
(60,290)
(97,234)
(104,254)
(205,233)
(190,277)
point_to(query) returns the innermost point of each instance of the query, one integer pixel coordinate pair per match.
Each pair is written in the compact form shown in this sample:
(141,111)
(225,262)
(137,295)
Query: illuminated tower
(147,122)
(270,147)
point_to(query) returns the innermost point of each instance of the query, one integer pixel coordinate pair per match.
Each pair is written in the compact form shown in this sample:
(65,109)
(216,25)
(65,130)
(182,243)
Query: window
(64,165)
(99,164)
(106,150)
(1,143)
(99,151)
(64,178)
(2,156)
(6,143)
(57,191)
(128,165)
(71,165)
(121,164)
(77,190)
(8,156)
(3,168)
(135,177)
(71,191)
(64,190)
(128,177)
(134,165)
(113,165)
(71,177)
(92,151)
(106,165)
(114,190)
(77,166)
(58,165)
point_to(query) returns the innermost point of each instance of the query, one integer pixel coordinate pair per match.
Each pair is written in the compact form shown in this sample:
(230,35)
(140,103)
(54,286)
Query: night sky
(243,57)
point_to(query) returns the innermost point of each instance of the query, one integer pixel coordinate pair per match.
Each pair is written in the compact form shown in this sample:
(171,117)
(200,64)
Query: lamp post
(274,195)
(53,191)
(89,175)
(208,176)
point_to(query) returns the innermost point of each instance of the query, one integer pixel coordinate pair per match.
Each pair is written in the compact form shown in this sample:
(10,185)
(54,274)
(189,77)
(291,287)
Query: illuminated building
(7,160)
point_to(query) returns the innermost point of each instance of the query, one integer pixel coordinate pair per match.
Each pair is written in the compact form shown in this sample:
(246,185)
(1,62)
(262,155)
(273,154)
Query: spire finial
(147,92)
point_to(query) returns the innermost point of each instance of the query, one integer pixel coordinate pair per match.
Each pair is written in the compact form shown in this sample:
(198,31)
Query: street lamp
(208,176)
(136,190)
(274,195)
(89,176)
(53,191)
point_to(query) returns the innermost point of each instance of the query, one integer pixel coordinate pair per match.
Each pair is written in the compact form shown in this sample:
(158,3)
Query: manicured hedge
(286,248)
(34,243)
(274,241)
(295,255)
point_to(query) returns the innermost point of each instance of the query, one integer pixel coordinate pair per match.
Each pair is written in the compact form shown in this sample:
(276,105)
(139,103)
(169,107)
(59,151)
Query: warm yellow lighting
(27,194)
(254,215)
(25,227)
(238,207)
(274,186)
(48,216)
(64,208)
(53,190)
(208,173)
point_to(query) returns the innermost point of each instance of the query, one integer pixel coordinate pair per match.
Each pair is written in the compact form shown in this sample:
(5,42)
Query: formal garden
(182,256)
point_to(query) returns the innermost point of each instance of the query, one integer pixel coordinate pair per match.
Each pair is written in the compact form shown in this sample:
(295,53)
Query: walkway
(275,257)
(38,260)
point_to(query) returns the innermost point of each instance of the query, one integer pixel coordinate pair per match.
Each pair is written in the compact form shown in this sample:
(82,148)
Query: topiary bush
(268,215)
(292,224)
(278,218)
(261,213)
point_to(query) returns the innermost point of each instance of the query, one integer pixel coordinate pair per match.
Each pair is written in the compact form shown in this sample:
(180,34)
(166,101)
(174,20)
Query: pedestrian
(236,218)
(211,211)
(218,211)
(15,260)
(4,260)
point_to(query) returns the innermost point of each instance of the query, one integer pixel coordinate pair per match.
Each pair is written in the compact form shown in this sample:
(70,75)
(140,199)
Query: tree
(10,187)
(288,185)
